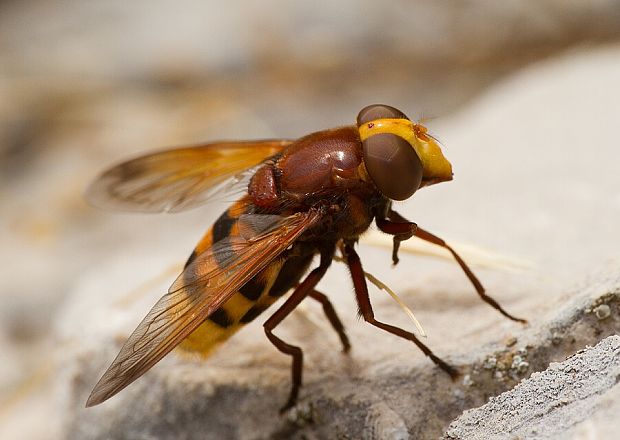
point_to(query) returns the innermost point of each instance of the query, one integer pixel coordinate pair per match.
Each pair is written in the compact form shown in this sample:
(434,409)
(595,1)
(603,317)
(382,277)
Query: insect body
(299,199)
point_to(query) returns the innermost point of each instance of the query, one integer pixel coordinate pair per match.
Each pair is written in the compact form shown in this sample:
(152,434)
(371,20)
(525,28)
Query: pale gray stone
(577,398)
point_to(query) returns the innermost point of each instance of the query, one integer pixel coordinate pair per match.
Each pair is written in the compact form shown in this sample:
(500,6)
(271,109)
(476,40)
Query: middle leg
(304,289)
(365,309)
(333,318)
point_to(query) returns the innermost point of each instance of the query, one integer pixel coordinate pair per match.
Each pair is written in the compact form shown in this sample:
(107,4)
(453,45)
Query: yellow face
(435,167)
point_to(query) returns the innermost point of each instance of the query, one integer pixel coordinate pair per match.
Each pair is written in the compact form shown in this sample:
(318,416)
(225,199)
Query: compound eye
(378,111)
(393,165)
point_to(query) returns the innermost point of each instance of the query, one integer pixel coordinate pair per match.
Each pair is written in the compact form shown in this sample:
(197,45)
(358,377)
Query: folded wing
(179,179)
(212,278)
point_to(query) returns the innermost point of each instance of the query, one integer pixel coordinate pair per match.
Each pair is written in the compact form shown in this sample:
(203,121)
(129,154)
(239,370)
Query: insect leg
(400,230)
(331,314)
(303,289)
(427,236)
(398,224)
(365,309)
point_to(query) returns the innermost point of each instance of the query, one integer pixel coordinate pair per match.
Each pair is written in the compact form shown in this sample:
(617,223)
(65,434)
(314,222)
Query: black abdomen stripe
(253,289)
(290,274)
(221,318)
(253,313)
(222,227)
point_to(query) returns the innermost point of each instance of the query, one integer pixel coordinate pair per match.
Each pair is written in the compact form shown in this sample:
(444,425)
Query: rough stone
(237,393)
(558,403)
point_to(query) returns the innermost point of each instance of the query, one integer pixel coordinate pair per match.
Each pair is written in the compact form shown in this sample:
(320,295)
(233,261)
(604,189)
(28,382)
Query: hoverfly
(301,198)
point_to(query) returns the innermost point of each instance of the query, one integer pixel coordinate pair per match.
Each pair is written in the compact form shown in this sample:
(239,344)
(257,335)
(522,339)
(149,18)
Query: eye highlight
(393,165)
(378,111)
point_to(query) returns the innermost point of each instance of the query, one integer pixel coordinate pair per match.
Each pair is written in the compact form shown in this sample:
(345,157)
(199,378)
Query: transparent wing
(179,179)
(212,278)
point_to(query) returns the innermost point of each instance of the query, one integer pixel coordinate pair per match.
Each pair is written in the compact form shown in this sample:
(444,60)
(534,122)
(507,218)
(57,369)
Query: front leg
(400,230)
(400,227)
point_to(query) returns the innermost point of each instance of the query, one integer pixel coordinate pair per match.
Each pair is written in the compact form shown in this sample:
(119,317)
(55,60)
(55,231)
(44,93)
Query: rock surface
(237,393)
(567,400)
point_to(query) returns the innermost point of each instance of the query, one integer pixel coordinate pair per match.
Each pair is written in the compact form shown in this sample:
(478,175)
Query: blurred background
(86,84)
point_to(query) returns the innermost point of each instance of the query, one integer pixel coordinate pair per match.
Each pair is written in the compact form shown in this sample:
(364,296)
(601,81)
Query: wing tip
(95,398)
(103,390)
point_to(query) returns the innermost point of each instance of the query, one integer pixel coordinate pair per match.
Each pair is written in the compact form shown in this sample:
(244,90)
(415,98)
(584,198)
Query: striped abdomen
(251,299)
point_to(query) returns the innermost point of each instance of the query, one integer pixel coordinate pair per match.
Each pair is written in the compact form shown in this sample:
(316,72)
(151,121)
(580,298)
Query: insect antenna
(435,138)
